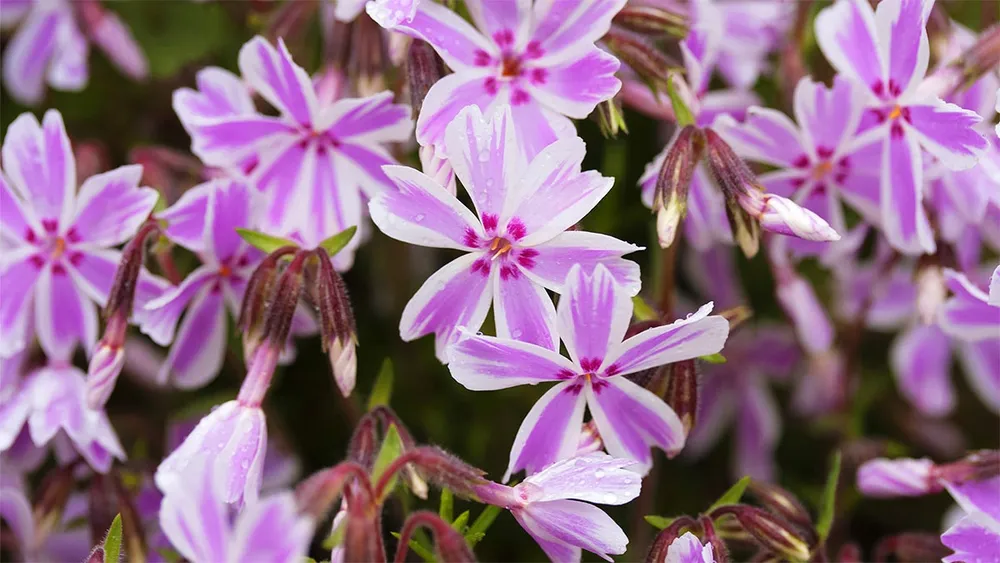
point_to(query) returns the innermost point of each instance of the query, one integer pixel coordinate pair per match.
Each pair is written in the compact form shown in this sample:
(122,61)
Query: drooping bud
(781,502)
(255,300)
(316,494)
(911,547)
(590,439)
(423,69)
(369,57)
(979,466)
(719,551)
(439,467)
(413,477)
(652,20)
(661,544)
(449,545)
(336,323)
(610,119)
(109,358)
(673,182)
(290,19)
(363,530)
(982,57)
(744,194)
(931,289)
(639,53)
(770,532)
(885,478)
(785,217)
(682,391)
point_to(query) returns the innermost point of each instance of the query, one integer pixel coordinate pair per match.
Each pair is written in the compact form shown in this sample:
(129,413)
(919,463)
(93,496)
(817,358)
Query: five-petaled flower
(885,53)
(316,162)
(594,314)
(516,249)
(539,58)
(57,257)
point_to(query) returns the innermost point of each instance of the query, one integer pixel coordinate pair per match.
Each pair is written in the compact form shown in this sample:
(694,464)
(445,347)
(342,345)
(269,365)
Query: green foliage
(716,358)
(477,531)
(263,241)
(392,448)
(659,522)
(113,541)
(337,242)
(681,110)
(382,389)
(827,507)
(424,553)
(447,505)
(732,495)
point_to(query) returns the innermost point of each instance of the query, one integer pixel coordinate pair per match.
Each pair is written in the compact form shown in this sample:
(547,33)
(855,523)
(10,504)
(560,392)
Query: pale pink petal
(230,141)
(973,538)
(446,98)
(994,295)
(194,516)
(169,306)
(575,87)
(457,295)
(921,359)
(981,361)
(39,163)
(594,314)
(492,17)
(64,317)
(196,355)
(758,429)
(274,75)
(111,206)
(423,212)
(574,523)
(486,363)
(68,68)
(93,271)
(374,119)
(595,477)
(847,35)
(522,309)
(887,478)
(117,42)
(967,315)
(555,193)
(550,431)
(185,219)
(484,154)
(220,94)
(902,29)
(689,549)
(455,40)
(696,335)
(26,57)
(17,288)
(947,132)
(366,163)
(904,220)
(563,29)
(538,126)
(272,530)
(716,103)
(17,223)
(631,419)
(767,136)
(549,263)
(828,116)
(229,208)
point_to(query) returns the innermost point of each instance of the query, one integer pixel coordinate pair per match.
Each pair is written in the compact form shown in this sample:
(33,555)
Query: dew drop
(419,217)
(599,473)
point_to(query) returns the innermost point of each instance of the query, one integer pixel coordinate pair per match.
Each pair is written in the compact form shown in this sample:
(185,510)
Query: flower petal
(758,429)
(457,295)
(904,220)
(691,337)
(485,363)
(196,355)
(26,57)
(220,94)
(274,75)
(973,538)
(63,316)
(374,119)
(185,219)
(454,39)
(902,29)
(594,314)
(17,223)
(229,142)
(169,306)
(631,419)
(550,431)
(522,309)
(366,163)
(555,194)
(93,271)
(228,208)
(767,136)
(829,117)
(967,315)
(921,359)
(272,530)
(981,361)
(423,212)
(492,17)
(847,35)
(17,287)
(538,126)
(575,87)
(947,132)
(40,164)
(111,206)
(67,68)
(575,524)
(595,477)
(564,29)
(549,263)
(194,517)
(446,98)
(689,549)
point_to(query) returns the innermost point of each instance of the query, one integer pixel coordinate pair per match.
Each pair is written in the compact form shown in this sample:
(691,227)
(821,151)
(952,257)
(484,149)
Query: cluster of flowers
(283,206)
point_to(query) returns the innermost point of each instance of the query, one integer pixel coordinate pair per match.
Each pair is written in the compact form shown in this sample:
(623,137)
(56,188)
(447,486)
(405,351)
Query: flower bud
(290,20)
(439,467)
(785,217)
(744,194)
(979,466)
(415,481)
(661,544)
(610,119)
(316,494)
(781,502)
(423,69)
(369,59)
(674,180)
(437,168)
(912,547)
(256,300)
(770,532)
(590,440)
(449,545)
(339,335)
(886,478)
(682,392)
(105,366)
(931,290)
(651,64)
(849,553)
(363,532)
(652,20)
(96,555)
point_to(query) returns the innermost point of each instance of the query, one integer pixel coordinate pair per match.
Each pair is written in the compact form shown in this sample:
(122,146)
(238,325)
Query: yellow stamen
(822,169)
(225,271)
(895,113)
(59,248)
(500,246)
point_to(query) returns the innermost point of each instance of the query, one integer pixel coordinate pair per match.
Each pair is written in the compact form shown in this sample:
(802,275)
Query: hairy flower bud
(423,68)
(652,20)
(781,502)
(639,53)
(661,544)
(785,217)
(898,477)
(316,494)
(610,119)
(682,391)
(439,467)
(912,547)
(590,439)
(256,300)
(449,545)
(979,466)
(770,532)
(363,532)
(339,335)
(673,182)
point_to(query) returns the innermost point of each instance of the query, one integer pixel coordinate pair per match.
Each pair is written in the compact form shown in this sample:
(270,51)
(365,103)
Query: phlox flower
(315,162)
(53,42)
(537,57)
(689,549)
(58,260)
(195,518)
(516,247)
(552,505)
(971,314)
(885,53)
(593,316)
(51,402)
(818,161)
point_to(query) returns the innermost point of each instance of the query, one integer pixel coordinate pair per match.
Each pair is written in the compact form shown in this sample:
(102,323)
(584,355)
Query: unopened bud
(423,69)
(363,533)
(255,300)
(931,290)
(316,495)
(590,439)
(364,441)
(449,545)
(673,182)
(979,466)
(781,502)
(610,119)
(770,532)
(437,168)
(639,53)
(414,480)
(280,309)
(682,392)
(336,324)
(290,19)
(106,364)
(887,478)
(982,57)
(439,467)
(744,195)
(785,217)
(661,544)
(652,20)
(912,547)
(746,229)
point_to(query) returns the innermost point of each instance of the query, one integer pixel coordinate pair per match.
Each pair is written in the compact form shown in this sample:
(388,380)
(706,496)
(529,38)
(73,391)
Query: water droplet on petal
(599,473)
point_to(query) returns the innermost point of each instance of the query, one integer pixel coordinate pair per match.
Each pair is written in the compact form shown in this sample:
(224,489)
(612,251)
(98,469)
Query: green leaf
(477,531)
(113,541)
(446,510)
(716,358)
(681,111)
(731,496)
(659,522)
(829,500)
(337,242)
(263,241)
(392,447)
(382,389)
(461,522)
(420,550)
(642,311)
(335,538)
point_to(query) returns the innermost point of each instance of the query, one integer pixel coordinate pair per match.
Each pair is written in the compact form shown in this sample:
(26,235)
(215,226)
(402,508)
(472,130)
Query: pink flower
(594,314)
(58,260)
(689,549)
(516,247)
(539,58)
